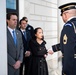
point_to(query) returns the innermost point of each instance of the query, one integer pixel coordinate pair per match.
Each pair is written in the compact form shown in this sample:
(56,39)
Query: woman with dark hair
(38,65)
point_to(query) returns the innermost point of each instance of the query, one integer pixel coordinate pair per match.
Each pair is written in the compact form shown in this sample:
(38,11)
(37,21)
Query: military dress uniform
(68,47)
(68,42)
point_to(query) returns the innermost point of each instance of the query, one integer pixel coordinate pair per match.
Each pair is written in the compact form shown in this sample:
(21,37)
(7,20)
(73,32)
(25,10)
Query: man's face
(23,24)
(12,23)
(64,16)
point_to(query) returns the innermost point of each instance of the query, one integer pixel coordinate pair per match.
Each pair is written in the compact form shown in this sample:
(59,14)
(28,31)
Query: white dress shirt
(11,30)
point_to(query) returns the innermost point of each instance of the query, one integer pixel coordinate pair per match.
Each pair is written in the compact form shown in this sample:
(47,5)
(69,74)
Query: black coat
(30,29)
(26,48)
(38,65)
(68,47)
(26,42)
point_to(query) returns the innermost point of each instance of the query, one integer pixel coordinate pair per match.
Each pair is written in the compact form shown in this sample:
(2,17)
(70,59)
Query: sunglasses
(26,20)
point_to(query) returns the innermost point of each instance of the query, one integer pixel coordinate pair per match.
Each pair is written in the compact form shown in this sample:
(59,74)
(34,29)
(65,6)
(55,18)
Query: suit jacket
(29,35)
(26,42)
(15,53)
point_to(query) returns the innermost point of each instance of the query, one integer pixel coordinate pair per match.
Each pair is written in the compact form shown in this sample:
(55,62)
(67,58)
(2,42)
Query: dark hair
(24,18)
(21,21)
(35,31)
(9,15)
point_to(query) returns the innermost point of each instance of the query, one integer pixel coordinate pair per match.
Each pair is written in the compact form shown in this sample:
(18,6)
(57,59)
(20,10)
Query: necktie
(14,37)
(24,33)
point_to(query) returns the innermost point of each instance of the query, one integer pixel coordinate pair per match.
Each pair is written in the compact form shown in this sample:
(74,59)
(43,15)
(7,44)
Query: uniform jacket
(30,29)
(68,47)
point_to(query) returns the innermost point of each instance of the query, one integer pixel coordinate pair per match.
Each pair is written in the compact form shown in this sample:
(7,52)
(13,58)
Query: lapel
(23,38)
(10,38)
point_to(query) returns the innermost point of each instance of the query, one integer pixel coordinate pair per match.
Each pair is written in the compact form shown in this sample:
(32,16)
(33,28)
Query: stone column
(3,39)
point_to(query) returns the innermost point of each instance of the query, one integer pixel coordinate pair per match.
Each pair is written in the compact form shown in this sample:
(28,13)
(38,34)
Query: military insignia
(65,39)
(29,28)
(68,24)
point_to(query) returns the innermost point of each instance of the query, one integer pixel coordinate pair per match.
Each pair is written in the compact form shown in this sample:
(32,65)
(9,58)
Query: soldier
(68,38)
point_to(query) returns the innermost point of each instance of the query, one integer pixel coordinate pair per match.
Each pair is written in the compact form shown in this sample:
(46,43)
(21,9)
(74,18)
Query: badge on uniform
(65,39)
(29,28)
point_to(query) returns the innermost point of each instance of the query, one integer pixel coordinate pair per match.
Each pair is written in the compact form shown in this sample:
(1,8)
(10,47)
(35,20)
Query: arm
(20,59)
(11,61)
(21,49)
(56,47)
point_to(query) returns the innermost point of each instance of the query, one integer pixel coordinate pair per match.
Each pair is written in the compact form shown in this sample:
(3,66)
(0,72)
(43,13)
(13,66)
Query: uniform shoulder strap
(74,27)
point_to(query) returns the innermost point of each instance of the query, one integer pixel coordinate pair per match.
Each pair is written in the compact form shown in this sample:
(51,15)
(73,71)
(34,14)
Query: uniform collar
(71,18)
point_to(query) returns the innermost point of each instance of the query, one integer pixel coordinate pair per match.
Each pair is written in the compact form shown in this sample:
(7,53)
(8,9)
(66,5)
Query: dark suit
(30,29)
(15,53)
(29,35)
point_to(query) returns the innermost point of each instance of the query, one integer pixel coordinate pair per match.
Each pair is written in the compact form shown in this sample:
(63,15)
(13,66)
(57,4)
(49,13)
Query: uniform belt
(74,55)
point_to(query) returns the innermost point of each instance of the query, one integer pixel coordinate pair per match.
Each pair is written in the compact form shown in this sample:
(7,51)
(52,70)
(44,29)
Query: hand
(50,52)
(27,53)
(45,55)
(17,65)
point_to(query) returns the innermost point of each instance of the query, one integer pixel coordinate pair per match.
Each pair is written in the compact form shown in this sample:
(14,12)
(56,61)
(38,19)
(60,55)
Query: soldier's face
(65,16)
